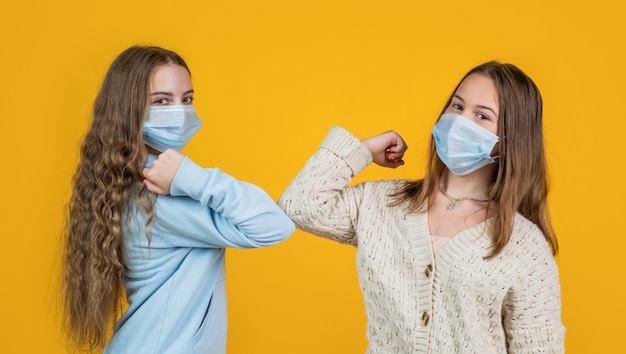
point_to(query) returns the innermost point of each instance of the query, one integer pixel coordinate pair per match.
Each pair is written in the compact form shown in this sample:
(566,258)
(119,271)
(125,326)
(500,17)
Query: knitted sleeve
(532,308)
(319,199)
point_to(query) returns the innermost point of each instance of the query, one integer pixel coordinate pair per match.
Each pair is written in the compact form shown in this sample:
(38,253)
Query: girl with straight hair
(460,261)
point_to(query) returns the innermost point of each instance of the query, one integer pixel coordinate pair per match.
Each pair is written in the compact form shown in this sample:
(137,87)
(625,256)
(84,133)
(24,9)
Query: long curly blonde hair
(106,186)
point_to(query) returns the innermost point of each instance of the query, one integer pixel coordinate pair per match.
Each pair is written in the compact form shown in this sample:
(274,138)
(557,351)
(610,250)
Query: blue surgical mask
(462,145)
(170,127)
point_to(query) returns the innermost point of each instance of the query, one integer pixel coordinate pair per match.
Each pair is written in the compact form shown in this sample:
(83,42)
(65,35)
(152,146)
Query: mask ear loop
(496,148)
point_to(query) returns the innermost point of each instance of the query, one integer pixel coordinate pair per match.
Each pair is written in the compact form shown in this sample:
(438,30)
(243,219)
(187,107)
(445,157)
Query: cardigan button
(429,270)
(425,318)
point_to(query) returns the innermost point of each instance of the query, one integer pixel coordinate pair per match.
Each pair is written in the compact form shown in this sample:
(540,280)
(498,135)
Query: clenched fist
(159,177)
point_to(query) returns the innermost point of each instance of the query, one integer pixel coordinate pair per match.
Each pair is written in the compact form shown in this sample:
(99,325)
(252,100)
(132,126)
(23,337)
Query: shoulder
(525,231)
(528,246)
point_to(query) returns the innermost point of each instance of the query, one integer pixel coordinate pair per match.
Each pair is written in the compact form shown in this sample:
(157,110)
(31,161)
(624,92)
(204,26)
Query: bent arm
(318,199)
(232,213)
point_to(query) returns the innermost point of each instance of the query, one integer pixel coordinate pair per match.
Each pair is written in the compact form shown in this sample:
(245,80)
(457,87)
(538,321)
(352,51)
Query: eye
(456,106)
(482,116)
(160,101)
(187,99)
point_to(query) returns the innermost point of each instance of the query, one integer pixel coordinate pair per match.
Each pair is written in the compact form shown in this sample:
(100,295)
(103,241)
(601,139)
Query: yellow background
(271,77)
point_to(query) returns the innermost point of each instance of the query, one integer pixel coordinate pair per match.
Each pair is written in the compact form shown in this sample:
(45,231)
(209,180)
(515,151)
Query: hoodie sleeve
(209,208)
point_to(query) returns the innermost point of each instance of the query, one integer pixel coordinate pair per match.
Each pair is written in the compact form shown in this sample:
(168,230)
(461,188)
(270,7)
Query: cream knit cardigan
(456,303)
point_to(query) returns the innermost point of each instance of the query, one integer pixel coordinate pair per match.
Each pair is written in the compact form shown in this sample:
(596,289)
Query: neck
(475,185)
(152,151)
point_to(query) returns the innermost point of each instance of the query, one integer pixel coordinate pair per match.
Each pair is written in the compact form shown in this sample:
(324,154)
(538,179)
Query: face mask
(462,145)
(170,127)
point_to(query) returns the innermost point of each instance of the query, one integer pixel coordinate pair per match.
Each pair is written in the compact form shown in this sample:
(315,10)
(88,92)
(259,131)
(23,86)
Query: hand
(159,177)
(387,149)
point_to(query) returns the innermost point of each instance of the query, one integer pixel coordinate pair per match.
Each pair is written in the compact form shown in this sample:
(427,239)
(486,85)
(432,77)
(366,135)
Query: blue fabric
(175,283)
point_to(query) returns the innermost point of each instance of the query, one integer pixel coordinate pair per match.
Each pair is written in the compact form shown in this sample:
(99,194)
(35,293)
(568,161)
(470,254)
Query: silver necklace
(453,200)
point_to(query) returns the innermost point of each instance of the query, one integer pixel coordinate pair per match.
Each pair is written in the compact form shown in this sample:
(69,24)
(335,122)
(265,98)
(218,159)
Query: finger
(397,163)
(152,187)
(400,146)
(145,171)
(394,155)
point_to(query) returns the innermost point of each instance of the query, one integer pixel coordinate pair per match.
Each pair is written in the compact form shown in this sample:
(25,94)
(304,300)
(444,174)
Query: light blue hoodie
(175,283)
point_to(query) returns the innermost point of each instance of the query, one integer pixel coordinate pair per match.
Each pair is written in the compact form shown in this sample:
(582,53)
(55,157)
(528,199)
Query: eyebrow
(479,106)
(169,93)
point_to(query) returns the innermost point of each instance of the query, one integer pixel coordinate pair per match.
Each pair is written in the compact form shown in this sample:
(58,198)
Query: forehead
(165,77)
(479,89)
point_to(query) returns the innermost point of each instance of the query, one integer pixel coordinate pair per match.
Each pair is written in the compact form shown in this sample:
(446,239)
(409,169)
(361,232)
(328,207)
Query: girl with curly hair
(147,226)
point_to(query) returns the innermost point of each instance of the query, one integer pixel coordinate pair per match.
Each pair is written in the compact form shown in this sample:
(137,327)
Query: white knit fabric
(458,303)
